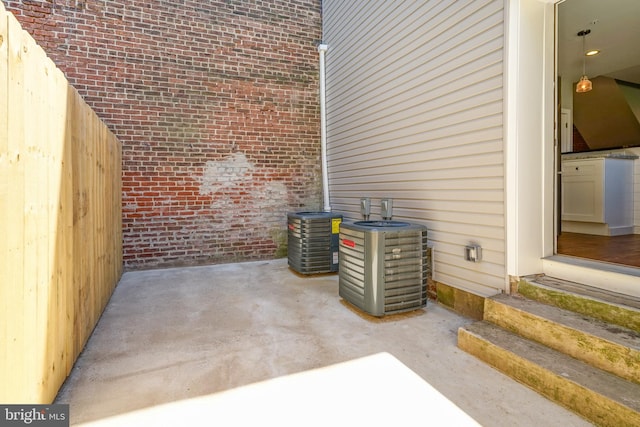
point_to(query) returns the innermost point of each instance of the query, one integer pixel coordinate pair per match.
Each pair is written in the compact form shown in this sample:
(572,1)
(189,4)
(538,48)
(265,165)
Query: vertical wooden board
(83,241)
(79,292)
(44,179)
(111,208)
(104,193)
(6,293)
(101,214)
(60,214)
(15,343)
(108,206)
(89,244)
(115,208)
(4,66)
(52,184)
(46,322)
(85,173)
(98,213)
(36,265)
(66,223)
(95,195)
(85,224)
(66,211)
(107,220)
(56,327)
(73,236)
(113,172)
(118,204)
(87,188)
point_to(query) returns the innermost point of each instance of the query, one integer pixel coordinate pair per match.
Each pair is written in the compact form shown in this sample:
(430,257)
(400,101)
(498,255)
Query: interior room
(598,185)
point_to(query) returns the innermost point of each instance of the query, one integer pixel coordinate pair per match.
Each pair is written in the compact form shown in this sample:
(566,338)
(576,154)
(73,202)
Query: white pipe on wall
(322,49)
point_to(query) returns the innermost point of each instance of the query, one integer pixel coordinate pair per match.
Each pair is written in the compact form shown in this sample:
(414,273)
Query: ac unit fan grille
(352,266)
(398,260)
(312,242)
(405,272)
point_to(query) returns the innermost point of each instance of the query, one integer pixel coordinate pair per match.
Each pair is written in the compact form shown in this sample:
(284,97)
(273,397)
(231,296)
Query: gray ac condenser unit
(313,241)
(383,266)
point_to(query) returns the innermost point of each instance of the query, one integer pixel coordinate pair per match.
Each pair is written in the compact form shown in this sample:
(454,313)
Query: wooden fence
(60,219)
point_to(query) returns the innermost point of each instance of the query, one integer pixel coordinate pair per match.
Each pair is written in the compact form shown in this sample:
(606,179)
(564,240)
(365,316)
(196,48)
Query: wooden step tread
(594,393)
(586,291)
(585,324)
(607,306)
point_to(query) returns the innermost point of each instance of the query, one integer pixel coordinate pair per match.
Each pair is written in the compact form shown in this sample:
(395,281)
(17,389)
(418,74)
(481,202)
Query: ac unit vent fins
(383,266)
(313,241)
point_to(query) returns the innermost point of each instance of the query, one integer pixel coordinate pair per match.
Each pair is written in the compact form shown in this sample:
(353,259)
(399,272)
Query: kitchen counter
(600,155)
(597,195)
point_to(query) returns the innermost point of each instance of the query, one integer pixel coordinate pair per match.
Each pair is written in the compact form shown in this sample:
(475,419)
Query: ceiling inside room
(615,31)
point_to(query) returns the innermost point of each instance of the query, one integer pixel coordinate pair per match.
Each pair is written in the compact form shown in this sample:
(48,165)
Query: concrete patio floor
(174,335)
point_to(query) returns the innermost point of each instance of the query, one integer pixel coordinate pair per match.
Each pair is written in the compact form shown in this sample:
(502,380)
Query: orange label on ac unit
(335,225)
(349,243)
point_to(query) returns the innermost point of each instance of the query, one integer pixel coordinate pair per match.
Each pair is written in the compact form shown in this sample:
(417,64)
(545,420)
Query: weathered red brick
(215,104)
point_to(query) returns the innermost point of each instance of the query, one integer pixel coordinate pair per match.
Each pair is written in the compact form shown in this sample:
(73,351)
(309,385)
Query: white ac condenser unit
(383,266)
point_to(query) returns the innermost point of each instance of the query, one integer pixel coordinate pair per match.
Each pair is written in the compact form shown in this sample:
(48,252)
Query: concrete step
(598,396)
(610,307)
(609,347)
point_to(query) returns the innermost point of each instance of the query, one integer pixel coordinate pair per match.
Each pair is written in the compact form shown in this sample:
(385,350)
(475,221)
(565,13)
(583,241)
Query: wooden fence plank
(36,258)
(60,188)
(13,282)
(57,354)
(78,204)
(7,290)
(4,61)
(65,224)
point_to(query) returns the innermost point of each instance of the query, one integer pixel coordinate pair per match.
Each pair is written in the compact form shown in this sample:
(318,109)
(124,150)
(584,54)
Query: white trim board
(611,277)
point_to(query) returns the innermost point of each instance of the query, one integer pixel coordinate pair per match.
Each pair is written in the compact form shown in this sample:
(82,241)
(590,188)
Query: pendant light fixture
(584,85)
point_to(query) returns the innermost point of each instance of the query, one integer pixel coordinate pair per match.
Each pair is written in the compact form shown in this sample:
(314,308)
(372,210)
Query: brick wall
(215,103)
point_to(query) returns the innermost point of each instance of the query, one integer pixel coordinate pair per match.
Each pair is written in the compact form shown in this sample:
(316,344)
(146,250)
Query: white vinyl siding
(415,113)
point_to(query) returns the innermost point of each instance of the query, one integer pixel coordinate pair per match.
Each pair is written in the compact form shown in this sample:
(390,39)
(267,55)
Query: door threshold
(612,277)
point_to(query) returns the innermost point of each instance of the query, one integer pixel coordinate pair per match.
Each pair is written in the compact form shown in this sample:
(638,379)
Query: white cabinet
(597,196)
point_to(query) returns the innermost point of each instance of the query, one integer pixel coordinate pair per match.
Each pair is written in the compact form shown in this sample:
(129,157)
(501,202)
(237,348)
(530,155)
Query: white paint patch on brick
(272,201)
(231,171)
(264,206)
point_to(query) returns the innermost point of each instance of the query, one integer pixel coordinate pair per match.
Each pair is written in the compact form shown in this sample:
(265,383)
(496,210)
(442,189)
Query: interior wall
(632,95)
(604,117)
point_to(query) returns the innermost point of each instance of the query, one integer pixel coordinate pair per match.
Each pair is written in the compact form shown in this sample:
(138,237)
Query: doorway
(585,138)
